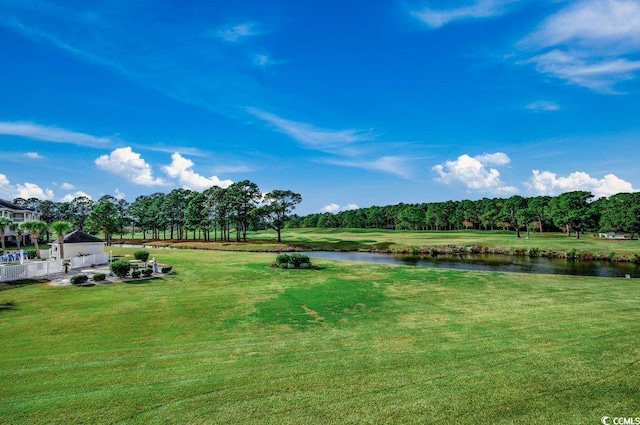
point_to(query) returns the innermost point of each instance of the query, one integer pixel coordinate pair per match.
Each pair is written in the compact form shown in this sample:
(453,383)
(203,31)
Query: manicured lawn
(405,241)
(227,339)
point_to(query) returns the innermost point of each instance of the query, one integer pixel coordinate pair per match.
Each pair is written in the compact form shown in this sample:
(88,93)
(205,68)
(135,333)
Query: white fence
(34,269)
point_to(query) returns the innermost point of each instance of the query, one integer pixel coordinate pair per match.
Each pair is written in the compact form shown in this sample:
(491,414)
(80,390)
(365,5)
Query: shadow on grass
(9,305)
(5,286)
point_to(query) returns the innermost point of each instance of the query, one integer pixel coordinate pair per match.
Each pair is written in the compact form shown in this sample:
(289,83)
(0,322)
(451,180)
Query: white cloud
(481,9)
(119,195)
(235,33)
(543,106)
(128,164)
(590,43)
(26,190)
(181,168)
(331,141)
(334,208)
(33,155)
(67,186)
(50,134)
(498,158)
(548,183)
(71,196)
(472,172)
(331,208)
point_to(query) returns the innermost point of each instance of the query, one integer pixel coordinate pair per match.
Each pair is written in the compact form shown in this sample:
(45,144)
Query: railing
(45,268)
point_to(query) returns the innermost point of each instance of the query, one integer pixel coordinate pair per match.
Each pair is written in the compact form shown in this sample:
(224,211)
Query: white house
(17,215)
(77,244)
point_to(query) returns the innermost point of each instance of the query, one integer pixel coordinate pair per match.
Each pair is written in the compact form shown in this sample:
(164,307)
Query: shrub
(147,272)
(167,269)
(282,259)
(293,261)
(78,279)
(135,274)
(572,255)
(31,253)
(533,252)
(141,255)
(120,268)
(99,277)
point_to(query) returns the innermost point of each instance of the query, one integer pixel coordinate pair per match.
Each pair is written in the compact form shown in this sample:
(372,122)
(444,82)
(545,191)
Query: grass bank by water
(546,244)
(228,339)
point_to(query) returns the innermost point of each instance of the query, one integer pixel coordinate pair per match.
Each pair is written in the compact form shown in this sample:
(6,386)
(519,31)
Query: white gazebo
(77,244)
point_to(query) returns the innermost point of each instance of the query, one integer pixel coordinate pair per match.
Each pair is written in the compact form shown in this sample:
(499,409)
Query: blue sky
(349,103)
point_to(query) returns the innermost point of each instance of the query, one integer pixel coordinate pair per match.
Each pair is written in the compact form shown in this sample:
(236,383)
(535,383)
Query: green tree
(4,223)
(197,214)
(15,228)
(514,212)
(61,228)
(279,204)
(104,218)
(243,197)
(80,208)
(572,211)
(35,229)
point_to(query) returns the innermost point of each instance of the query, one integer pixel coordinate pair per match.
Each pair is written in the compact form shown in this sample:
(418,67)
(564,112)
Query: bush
(293,261)
(167,269)
(533,252)
(147,272)
(31,253)
(120,268)
(141,255)
(99,277)
(78,279)
(135,274)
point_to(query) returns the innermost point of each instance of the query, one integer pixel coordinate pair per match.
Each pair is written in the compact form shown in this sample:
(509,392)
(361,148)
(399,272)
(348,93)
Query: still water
(492,262)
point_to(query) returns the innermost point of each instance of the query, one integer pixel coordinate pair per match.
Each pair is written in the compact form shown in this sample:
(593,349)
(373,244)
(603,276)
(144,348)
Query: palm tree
(35,229)
(4,223)
(61,228)
(15,227)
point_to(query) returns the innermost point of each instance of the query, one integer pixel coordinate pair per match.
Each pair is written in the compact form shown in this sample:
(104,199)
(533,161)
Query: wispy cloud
(52,134)
(388,164)
(472,173)
(543,106)
(238,32)
(33,155)
(330,141)
(548,183)
(589,43)
(481,9)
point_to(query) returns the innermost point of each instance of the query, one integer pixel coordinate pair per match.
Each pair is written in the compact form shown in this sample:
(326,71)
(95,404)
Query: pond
(492,262)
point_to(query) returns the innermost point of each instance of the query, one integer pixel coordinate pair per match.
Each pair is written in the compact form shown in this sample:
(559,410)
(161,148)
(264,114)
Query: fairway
(229,339)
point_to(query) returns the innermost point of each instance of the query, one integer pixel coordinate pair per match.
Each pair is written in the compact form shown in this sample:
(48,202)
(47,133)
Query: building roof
(11,206)
(78,236)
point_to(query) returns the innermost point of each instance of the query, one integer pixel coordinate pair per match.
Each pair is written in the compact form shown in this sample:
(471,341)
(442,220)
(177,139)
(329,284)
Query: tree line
(572,212)
(214,214)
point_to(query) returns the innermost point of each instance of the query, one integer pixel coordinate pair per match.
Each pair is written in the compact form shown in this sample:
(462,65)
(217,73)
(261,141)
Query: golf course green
(228,339)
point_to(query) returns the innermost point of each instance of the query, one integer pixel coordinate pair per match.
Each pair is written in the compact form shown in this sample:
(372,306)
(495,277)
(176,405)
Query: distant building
(77,244)
(17,215)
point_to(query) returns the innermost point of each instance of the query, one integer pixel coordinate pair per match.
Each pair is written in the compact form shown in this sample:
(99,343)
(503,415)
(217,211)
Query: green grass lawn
(405,241)
(227,339)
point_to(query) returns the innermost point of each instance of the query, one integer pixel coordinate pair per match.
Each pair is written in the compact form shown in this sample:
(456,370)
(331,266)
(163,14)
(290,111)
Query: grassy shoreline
(552,245)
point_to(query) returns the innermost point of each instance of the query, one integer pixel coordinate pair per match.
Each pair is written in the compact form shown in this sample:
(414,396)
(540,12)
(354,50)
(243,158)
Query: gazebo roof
(78,236)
